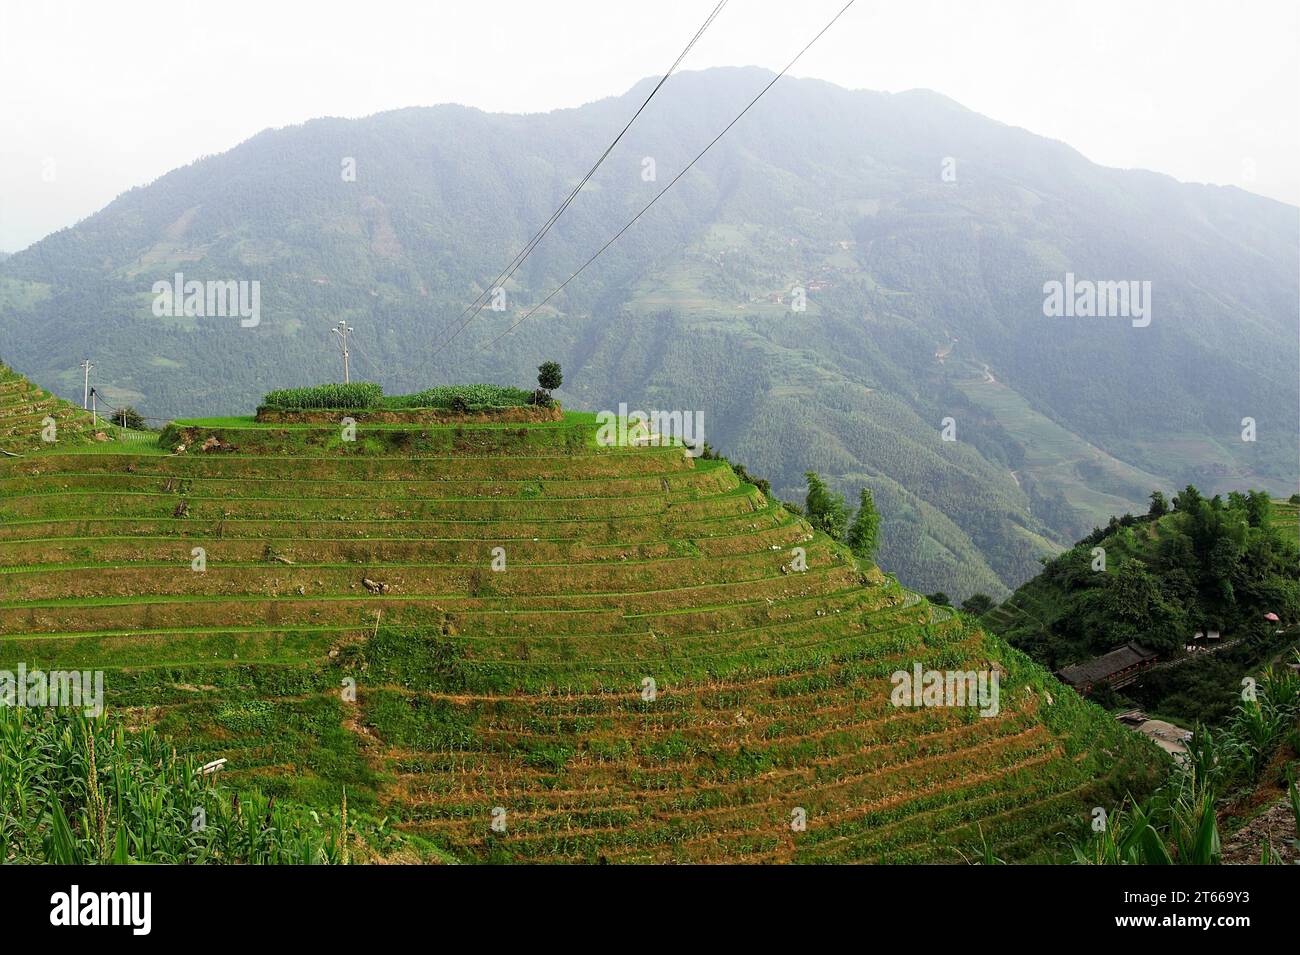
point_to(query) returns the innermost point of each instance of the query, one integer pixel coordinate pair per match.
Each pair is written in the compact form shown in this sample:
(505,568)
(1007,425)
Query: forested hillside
(921,234)
(1194,571)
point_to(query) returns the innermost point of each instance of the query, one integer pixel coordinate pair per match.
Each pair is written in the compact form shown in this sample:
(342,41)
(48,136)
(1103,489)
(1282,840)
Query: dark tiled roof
(1107,665)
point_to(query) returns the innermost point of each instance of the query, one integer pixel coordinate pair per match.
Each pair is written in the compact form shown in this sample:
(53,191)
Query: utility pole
(94,411)
(86,365)
(342,331)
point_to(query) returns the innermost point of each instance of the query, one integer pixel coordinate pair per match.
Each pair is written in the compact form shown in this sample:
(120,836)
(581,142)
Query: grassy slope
(521,689)
(26,413)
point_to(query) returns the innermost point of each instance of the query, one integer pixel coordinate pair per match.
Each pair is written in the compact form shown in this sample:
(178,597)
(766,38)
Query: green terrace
(501,594)
(31,418)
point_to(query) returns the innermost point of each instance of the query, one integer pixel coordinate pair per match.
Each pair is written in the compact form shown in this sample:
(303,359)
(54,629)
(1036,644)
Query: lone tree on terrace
(1159,506)
(549,376)
(864,535)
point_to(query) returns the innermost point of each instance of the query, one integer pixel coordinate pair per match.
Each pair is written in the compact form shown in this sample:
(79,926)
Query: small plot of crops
(518,646)
(367,395)
(1286,517)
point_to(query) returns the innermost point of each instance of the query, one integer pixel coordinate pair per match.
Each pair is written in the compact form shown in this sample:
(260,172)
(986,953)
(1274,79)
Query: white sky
(97,97)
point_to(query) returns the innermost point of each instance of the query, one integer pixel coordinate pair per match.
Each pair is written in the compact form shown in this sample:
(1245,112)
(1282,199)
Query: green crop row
(365,394)
(357,394)
(462,397)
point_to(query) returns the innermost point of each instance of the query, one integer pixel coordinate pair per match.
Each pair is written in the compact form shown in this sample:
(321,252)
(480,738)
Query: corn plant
(462,397)
(1179,822)
(1130,837)
(78,790)
(357,394)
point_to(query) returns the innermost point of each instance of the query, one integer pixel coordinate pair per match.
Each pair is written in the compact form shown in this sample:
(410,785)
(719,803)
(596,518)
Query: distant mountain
(921,233)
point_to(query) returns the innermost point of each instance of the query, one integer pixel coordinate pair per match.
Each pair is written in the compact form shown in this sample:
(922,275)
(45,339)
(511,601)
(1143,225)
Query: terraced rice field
(1286,517)
(523,695)
(26,411)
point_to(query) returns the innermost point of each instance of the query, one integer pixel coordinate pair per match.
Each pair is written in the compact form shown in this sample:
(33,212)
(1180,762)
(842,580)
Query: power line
(117,411)
(476,306)
(659,194)
(370,362)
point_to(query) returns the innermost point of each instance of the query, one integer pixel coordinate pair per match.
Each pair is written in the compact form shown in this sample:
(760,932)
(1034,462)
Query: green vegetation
(1222,773)
(864,535)
(33,419)
(826,510)
(924,302)
(128,417)
(1286,518)
(612,645)
(358,394)
(549,377)
(76,789)
(708,453)
(1216,565)
(462,398)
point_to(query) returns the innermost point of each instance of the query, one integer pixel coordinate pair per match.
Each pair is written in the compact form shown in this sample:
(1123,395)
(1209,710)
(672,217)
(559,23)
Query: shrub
(1104,695)
(358,394)
(128,417)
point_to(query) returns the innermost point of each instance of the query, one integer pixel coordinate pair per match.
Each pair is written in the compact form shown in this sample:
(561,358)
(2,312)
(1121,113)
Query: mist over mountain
(921,234)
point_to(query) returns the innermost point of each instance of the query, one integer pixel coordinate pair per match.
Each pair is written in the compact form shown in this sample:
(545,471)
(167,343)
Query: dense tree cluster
(1193,565)
(829,512)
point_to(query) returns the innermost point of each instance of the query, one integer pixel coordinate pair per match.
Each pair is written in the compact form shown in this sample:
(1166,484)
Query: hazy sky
(97,97)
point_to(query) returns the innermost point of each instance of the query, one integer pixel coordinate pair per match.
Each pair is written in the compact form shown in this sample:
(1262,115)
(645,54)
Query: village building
(1119,668)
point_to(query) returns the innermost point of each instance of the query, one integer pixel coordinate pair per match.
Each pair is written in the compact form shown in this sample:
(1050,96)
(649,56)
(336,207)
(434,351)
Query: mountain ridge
(834,190)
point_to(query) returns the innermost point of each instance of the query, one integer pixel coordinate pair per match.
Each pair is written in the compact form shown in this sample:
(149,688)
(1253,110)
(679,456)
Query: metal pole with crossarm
(342,331)
(86,365)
